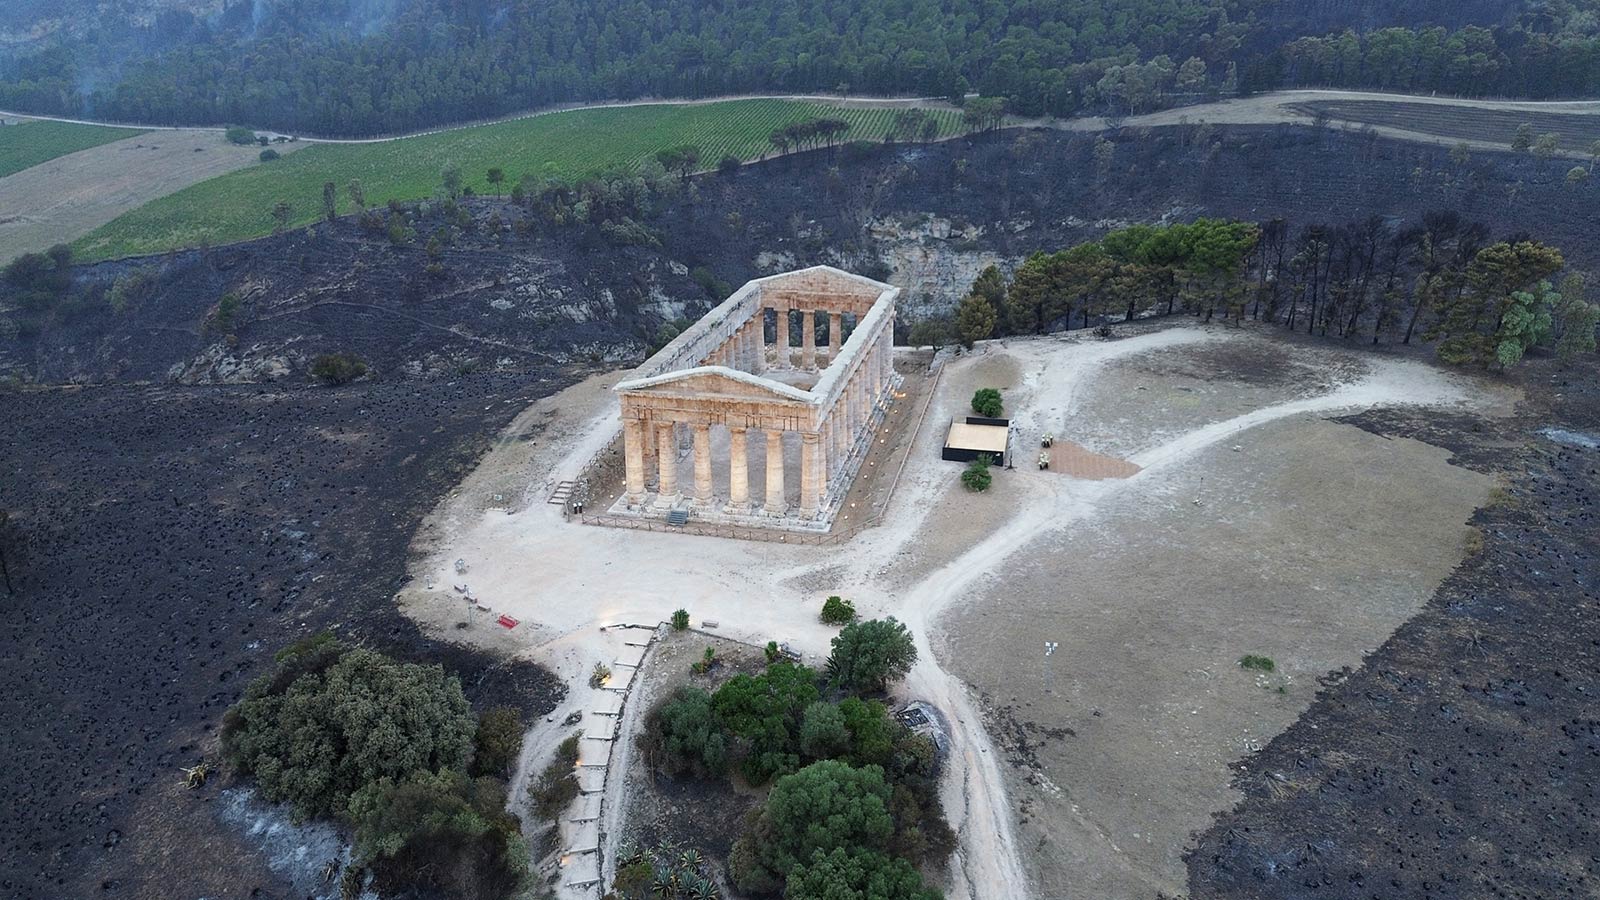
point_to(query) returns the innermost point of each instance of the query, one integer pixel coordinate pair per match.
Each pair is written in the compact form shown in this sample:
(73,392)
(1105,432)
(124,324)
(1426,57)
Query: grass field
(32,142)
(238,206)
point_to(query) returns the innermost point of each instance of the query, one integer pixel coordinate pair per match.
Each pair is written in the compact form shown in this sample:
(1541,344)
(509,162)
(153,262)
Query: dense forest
(343,67)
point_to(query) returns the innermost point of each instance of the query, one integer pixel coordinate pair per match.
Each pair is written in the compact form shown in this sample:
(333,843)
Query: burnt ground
(930,216)
(202,504)
(1463,758)
(173,538)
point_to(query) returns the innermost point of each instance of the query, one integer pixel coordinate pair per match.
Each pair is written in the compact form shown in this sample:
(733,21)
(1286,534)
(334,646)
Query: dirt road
(564,580)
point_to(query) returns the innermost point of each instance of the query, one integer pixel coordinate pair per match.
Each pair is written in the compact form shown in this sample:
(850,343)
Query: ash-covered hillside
(501,286)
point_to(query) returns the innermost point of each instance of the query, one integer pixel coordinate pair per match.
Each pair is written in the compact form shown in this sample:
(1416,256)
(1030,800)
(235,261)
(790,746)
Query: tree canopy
(868,655)
(330,67)
(314,741)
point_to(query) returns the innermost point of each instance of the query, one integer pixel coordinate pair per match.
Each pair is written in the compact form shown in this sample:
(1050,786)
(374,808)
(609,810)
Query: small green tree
(975,320)
(1523,139)
(450,177)
(330,201)
(763,712)
(1546,145)
(868,655)
(684,735)
(496,176)
(268,155)
(976,477)
(357,194)
(440,831)
(680,620)
(498,742)
(838,611)
(338,368)
(238,134)
(932,333)
(828,805)
(852,873)
(281,213)
(988,403)
(227,315)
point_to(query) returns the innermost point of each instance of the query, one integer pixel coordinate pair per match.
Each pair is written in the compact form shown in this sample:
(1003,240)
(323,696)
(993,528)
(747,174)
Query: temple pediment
(715,382)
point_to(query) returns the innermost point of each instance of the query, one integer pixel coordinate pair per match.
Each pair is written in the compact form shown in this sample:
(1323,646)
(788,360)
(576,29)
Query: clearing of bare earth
(1309,544)
(1257,528)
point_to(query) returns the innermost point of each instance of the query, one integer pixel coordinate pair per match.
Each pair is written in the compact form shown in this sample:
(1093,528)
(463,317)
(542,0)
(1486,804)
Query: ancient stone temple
(765,407)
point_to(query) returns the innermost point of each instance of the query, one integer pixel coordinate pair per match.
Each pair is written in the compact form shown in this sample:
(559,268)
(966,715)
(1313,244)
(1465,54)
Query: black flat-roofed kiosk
(977,435)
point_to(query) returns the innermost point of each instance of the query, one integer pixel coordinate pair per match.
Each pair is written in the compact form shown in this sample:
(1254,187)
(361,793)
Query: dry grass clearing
(62,199)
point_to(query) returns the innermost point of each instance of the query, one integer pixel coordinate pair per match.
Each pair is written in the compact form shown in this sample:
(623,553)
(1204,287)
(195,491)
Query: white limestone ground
(565,581)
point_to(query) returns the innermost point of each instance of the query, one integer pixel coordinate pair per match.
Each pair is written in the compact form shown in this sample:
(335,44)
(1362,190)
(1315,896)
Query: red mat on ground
(507,622)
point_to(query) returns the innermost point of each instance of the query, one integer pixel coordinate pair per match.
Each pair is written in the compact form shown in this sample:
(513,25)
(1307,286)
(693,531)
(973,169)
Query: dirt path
(564,581)
(61,200)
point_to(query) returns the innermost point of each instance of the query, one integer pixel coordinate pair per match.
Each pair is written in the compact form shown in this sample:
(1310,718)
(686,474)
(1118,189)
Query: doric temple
(774,429)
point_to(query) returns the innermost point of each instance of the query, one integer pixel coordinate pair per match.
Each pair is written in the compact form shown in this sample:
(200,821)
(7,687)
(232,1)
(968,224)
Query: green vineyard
(565,145)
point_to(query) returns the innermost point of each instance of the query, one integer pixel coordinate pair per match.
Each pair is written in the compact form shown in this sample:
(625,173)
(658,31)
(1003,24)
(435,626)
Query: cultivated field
(1463,122)
(567,144)
(29,142)
(63,198)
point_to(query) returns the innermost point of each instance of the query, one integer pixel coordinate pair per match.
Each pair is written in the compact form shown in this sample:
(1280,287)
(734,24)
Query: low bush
(599,674)
(1257,663)
(986,402)
(703,665)
(838,611)
(338,368)
(976,477)
(680,620)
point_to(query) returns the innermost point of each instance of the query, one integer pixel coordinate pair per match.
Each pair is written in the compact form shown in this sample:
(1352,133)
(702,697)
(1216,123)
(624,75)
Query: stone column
(650,464)
(888,354)
(840,450)
(776,505)
(633,459)
(808,339)
(835,335)
(781,333)
(858,406)
(667,464)
(810,482)
(702,463)
(876,370)
(738,470)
